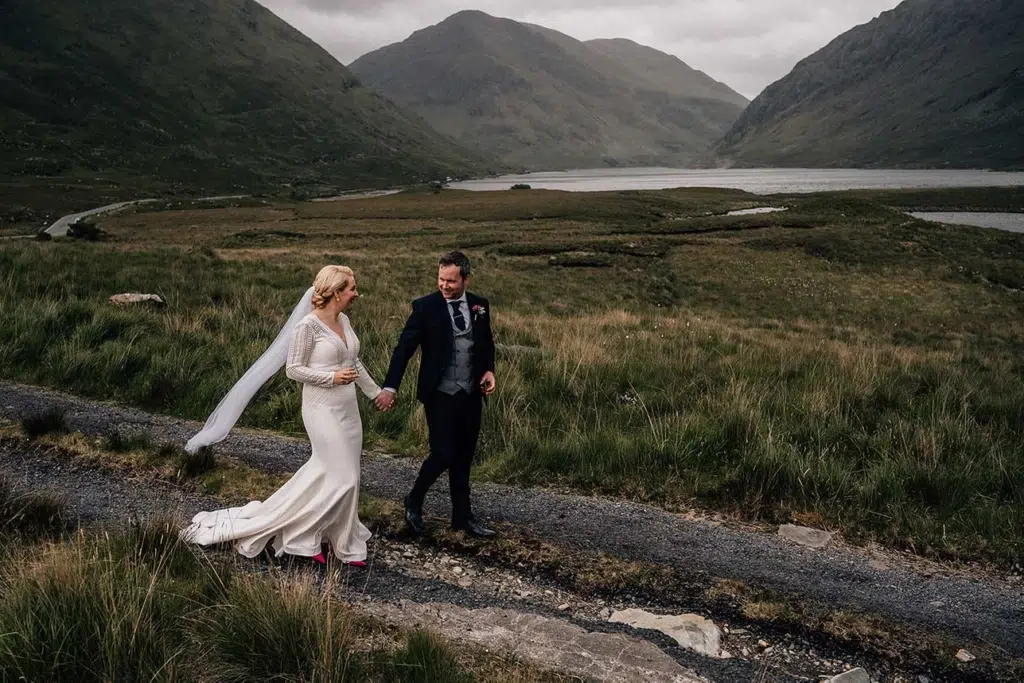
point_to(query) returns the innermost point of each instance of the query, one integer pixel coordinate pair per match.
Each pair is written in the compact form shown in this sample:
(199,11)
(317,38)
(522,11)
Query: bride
(319,504)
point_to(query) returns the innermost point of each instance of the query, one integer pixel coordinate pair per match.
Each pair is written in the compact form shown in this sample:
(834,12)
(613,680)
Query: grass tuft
(38,514)
(44,423)
(289,630)
(120,442)
(192,465)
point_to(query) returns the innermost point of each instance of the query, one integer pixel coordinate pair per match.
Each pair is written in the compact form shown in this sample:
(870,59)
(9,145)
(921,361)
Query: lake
(1013,222)
(760,181)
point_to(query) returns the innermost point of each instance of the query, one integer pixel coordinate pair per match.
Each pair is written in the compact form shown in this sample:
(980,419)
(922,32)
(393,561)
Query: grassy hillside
(540,99)
(932,83)
(665,72)
(203,95)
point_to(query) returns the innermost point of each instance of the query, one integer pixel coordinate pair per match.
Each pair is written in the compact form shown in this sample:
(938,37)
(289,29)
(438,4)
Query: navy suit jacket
(429,328)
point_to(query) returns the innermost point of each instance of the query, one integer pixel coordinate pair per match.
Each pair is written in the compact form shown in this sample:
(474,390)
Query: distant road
(357,195)
(60,228)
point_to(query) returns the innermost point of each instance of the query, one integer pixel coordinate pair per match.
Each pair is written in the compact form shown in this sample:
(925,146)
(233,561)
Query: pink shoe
(356,563)
(319,557)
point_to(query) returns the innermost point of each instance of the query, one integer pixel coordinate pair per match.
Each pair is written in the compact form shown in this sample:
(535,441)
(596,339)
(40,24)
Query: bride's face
(345,299)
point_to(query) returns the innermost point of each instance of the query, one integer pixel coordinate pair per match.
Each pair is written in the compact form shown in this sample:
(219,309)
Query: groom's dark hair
(456,258)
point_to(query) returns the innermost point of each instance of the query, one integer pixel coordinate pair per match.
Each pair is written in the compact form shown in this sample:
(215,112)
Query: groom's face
(450,282)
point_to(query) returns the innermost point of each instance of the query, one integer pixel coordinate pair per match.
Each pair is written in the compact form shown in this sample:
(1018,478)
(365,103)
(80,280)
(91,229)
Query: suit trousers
(453,423)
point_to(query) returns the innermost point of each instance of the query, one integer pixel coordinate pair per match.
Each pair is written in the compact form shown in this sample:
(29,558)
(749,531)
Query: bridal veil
(230,408)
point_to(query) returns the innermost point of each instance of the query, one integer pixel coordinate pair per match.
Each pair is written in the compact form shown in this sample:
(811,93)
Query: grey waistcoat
(459,373)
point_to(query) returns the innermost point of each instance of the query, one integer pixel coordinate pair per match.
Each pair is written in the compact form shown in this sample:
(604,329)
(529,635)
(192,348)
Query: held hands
(346,376)
(488,384)
(385,400)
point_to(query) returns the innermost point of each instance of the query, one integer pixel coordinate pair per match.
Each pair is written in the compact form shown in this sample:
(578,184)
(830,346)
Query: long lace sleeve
(365,382)
(297,367)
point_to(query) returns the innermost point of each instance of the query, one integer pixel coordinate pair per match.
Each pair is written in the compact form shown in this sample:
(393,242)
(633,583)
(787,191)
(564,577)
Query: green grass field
(840,363)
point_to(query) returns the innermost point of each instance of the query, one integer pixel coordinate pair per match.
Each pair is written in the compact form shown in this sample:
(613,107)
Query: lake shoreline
(765,181)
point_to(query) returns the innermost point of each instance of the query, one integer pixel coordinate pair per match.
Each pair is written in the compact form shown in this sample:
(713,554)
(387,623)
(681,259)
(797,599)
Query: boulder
(851,676)
(812,538)
(128,299)
(691,631)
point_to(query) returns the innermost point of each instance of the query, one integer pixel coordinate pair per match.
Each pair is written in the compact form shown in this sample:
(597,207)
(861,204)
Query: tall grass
(33,515)
(142,606)
(864,367)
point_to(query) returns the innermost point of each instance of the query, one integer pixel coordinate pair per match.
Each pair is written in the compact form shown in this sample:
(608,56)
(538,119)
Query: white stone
(965,656)
(691,631)
(851,676)
(551,643)
(812,538)
(135,298)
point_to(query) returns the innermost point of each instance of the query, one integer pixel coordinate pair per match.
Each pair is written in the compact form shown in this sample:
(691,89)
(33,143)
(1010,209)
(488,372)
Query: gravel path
(98,498)
(92,497)
(989,610)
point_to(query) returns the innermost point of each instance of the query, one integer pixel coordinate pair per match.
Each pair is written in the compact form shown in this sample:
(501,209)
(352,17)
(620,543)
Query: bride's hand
(345,376)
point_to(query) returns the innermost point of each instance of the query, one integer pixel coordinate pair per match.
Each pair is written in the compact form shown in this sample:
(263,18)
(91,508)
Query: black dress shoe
(474,528)
(414,518)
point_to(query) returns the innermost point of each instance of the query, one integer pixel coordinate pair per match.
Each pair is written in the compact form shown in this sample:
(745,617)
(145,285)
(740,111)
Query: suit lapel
(471,301)
(445,319)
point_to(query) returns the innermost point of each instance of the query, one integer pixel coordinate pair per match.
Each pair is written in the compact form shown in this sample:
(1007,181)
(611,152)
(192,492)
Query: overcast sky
(747,44)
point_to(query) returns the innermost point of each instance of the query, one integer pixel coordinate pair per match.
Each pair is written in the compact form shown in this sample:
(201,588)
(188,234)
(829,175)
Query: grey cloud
(744,43)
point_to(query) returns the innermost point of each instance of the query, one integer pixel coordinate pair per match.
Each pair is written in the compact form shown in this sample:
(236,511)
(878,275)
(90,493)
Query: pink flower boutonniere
(479,311)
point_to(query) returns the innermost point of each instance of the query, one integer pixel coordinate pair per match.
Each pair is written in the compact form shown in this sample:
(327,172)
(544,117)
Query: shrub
(265,630)
(34,515)
(86,230)
(424,659)
(78,613)
(50,421)
(188,465)
(120,442)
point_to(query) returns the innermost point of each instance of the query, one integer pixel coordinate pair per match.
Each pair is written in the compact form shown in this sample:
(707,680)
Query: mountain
(931,83)
(540,99)
(666,72)
(200,93)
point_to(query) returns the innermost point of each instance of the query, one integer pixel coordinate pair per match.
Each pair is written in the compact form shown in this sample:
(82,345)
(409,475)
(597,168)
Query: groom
(453,329)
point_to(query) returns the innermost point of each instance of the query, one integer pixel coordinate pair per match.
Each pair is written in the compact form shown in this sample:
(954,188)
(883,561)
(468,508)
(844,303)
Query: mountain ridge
(670,69)
(540,99)
(931,83)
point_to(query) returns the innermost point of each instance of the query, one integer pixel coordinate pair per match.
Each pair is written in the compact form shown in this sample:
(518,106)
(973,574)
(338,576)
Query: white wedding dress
(320,502)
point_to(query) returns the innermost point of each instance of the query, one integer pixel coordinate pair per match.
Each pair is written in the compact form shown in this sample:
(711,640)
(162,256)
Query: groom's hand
(385,400)
(488,384)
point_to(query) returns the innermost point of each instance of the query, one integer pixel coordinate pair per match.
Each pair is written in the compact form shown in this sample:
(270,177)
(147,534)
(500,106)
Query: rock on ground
(812,538)
(609,657)
(691,631)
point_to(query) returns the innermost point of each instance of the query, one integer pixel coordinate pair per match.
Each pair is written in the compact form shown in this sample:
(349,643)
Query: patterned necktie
(460,320)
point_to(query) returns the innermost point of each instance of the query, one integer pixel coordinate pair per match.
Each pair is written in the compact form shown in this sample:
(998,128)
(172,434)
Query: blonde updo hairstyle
(329,281)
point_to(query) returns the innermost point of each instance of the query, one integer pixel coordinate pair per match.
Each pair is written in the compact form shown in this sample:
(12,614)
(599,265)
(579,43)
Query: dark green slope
(212,94)
(932,83)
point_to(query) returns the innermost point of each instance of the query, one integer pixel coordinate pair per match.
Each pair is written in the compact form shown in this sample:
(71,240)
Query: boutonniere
(479,311)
